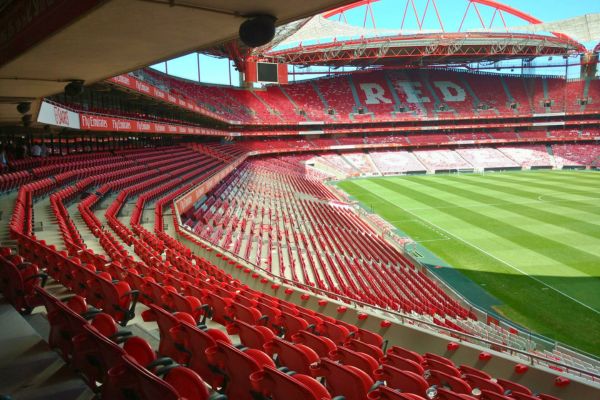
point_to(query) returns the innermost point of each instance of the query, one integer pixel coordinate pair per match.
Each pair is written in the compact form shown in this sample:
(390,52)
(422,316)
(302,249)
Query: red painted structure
(428,48)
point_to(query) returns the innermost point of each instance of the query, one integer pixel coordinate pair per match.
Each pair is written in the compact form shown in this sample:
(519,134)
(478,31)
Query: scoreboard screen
(267,72)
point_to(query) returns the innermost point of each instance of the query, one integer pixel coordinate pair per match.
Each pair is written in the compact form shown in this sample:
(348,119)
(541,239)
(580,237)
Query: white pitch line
(432,240)
(499,259)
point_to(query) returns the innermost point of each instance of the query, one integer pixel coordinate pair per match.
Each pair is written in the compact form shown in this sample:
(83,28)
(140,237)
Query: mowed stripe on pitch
(488,231)
(504,225)
(526,299)
(578,206)
(495,238)
(536,218)
(553,184)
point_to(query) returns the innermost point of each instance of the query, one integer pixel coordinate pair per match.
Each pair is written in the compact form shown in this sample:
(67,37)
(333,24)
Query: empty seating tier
(218,336)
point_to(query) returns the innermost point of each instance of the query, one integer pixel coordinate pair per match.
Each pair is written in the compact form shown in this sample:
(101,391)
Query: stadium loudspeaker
(257,30)
(24,108)
(74,88)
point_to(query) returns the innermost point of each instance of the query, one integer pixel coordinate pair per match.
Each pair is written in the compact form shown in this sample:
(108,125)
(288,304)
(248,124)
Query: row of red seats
(353,260)
(386,93)
(114,274)
(18,280)
(175,283)
(112,362)
(162,295)
(37,162)
(339,355)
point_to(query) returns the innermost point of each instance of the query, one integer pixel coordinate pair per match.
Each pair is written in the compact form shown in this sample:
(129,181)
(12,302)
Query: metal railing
(401,318)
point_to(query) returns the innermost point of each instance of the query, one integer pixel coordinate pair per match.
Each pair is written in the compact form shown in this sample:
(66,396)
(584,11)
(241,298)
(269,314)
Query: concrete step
(29,369)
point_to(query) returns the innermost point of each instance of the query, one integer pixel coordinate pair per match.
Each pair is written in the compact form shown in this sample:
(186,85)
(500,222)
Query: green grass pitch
(531,239)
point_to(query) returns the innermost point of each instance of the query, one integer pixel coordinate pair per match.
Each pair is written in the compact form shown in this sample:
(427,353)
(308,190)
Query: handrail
(531,336)
(451,333)
(358,303)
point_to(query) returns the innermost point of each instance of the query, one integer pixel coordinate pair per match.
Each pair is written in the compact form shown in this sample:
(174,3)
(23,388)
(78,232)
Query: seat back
(357,359)
(445,394)
(370,349)
(342,380)
(65,324)
(407,381)
(237,366)
(320,344)
(241,312)
(513,386)
(194,342)
(118,299)
(369,337)
(442,379)
(188,304)
(441,366)
(441,359)
(465,369)
(291,324)
(166,321)
(296,357)
(402,363)
(336,332)
(130,380)
(523,396)
(489,395)
(386,393)
(405,353)
(277,385)
(18,282)
(477,382)
(94,355)
(217,306)
(251,336)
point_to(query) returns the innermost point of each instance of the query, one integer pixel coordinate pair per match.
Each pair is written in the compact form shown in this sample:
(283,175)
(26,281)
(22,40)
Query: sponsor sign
(54,115)
(92,122)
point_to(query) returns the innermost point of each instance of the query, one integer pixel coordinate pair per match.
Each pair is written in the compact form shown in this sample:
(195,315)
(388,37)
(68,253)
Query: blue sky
(388,15)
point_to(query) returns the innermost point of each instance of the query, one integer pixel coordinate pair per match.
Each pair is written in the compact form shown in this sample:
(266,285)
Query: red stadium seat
(251,336)
(237,366)
(18,281)
(130,380)
(406,381)
(194,342)
(277,385)
(294,356)
(362,361)
(386,393)
(343,380)
(320,344)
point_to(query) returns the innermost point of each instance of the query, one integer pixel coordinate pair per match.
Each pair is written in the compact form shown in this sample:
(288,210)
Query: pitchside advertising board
(54,115)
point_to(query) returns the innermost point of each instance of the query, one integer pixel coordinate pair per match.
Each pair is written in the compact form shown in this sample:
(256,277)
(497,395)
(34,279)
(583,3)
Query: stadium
(317,200)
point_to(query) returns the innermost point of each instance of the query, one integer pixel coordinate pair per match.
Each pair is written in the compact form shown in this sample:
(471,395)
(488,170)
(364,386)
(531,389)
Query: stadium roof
(320,28)
(585,28)
(323,41)
(44,45)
